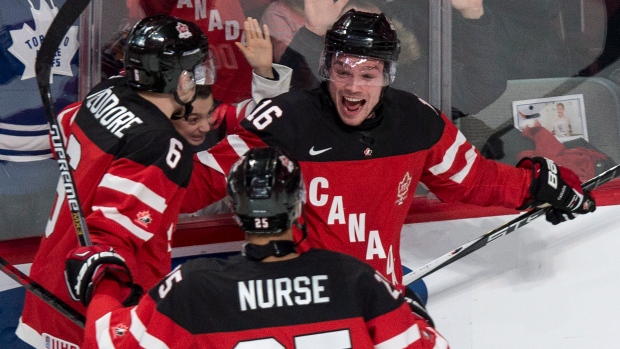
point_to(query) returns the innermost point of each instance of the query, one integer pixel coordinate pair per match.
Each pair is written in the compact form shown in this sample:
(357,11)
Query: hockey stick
(42,292)
(498,232)
(67,15)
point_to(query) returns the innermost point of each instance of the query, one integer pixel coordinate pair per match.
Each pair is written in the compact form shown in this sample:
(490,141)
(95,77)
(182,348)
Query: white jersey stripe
(102,332)
(238,144)
(138,330)
(449,156)
(207,159)
(113,214)
(470,157)
(411,335)
(139,190)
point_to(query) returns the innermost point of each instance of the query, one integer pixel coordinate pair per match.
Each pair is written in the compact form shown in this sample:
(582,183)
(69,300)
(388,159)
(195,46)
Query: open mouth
(352,104)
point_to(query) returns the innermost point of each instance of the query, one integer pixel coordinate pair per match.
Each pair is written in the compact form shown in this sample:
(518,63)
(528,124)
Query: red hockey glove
(557,186)
(417,306)
(87,265)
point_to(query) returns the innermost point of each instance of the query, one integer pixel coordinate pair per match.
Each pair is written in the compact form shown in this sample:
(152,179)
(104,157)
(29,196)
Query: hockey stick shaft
(66,16)
(42,293)
(498,232)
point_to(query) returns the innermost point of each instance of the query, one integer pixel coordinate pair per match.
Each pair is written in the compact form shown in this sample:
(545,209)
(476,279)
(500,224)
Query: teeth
(354,100)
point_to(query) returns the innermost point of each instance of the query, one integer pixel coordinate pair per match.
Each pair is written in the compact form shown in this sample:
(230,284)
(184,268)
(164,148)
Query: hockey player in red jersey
(131,169)
(364,146)
(271,296)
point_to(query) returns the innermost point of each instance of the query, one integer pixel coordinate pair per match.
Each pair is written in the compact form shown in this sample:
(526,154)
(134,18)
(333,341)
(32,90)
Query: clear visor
(359,70)
(204,73)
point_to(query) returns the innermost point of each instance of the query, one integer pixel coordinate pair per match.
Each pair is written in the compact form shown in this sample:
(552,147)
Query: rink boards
(541,286)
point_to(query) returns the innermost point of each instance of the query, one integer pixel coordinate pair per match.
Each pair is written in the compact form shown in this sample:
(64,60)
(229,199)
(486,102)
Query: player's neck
(165,102)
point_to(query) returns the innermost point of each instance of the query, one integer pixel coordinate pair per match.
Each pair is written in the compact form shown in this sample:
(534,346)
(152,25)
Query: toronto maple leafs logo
(27,42)
(183,30)
(403,189)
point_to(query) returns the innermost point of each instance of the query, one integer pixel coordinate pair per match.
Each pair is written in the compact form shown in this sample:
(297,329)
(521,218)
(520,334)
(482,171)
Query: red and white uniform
(131,169)
(360,181)
(222,22)
(320,299)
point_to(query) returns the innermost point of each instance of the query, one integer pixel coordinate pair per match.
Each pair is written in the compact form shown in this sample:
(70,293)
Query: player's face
(560,109)
(355,86)
(198,123)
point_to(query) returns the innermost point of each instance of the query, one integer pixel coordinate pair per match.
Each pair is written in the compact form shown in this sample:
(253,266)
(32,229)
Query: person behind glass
(131,170)
(271,295)
(478,75)
(364,146)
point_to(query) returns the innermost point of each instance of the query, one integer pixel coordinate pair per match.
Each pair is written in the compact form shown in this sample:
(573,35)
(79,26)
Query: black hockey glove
(86,266)
(557,186)
(417,306)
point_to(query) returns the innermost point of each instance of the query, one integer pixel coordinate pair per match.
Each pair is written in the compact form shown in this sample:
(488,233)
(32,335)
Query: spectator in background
(285,18)
(478,74)
(318,297)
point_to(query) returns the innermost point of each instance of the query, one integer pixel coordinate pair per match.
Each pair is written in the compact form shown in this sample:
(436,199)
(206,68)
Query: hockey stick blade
(66,16)
(42,293)
(498,232)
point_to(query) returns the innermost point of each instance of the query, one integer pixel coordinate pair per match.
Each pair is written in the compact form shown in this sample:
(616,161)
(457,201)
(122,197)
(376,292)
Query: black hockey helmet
(160,48)
(266,191)
(362,34)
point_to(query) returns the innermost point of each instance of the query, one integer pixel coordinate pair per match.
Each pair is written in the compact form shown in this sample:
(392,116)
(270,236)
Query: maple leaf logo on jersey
(287,163)
(403,189)
(120,330)
(144,218)
(183,30)
(27,42)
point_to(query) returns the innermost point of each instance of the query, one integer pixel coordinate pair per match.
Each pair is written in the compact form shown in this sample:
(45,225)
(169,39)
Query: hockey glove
(417,306)
(86,266)
(557,186)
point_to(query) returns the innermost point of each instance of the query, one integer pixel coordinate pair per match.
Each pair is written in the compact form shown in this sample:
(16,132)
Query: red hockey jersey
(321,299)
(131,169)
(361,181)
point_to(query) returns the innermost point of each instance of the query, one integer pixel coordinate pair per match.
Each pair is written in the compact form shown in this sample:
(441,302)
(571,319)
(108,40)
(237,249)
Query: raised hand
(257,50)
(321,14)
(471,9)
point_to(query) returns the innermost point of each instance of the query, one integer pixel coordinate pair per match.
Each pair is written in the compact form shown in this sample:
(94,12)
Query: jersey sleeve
(144,326)
(455,171)
(391,322)
(140,193)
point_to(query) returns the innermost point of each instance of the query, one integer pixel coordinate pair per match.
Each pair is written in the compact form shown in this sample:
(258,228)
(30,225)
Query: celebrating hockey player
(269,297)
(131,169)
(364,146)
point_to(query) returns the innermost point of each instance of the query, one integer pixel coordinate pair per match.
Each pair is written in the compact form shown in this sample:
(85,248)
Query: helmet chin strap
(278,248)
(189,108)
